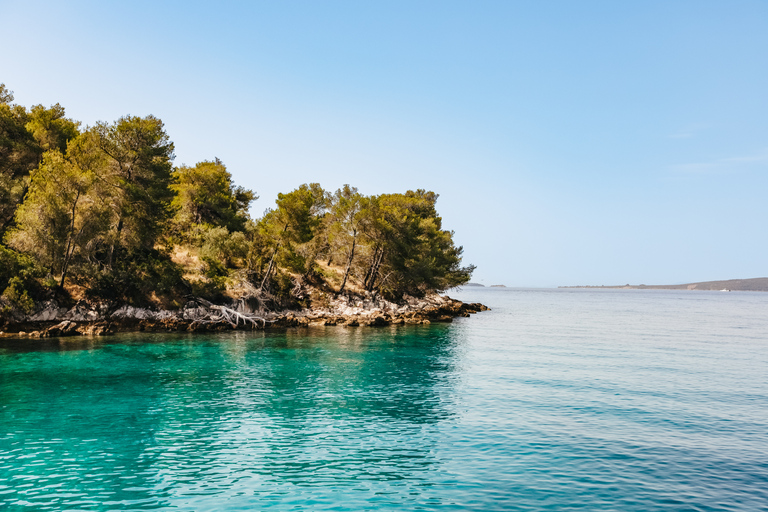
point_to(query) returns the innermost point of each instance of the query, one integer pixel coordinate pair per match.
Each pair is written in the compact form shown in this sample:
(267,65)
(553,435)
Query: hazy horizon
(588,143)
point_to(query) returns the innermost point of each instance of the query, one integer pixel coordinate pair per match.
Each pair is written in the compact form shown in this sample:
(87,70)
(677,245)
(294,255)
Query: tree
(205,195)
(6,96)
(61,218)
(292,225)
(344,226)
(50,128)
(19,154)
(136,178)
(23,138)
(412,253)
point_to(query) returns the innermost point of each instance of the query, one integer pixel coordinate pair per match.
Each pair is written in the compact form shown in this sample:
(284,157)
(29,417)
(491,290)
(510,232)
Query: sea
(556,399)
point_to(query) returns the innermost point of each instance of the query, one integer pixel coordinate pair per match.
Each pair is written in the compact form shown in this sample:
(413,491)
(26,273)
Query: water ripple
(552,401)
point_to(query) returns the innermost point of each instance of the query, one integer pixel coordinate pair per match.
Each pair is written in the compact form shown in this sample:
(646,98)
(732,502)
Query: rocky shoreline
(49,319)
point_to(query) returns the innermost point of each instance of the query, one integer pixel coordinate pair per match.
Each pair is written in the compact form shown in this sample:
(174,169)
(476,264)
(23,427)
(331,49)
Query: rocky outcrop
(97,319)
(372,311)
(65,328)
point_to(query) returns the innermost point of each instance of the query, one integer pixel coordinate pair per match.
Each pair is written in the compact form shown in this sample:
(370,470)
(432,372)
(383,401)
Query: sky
(571,143)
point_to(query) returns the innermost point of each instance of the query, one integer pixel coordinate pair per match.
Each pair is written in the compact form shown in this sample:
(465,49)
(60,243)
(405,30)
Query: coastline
(104,318)
(756,284)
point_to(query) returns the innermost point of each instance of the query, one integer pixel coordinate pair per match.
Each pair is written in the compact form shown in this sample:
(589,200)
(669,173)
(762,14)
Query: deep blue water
(589,400)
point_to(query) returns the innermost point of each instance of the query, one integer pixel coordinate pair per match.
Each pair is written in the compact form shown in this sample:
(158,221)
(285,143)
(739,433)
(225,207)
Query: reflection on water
(145,421)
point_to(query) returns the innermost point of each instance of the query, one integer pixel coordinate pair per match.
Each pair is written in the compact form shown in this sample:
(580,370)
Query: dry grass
(334,274)
(75,291)
(188,259)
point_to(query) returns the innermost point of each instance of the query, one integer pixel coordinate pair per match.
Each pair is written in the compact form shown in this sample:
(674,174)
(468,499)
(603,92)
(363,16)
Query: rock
(46,312)
(378,320)
(100,318)
(95,329)
(473,307)
(64,328)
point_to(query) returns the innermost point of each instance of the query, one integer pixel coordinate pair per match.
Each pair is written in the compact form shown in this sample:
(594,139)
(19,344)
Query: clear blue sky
(570,142)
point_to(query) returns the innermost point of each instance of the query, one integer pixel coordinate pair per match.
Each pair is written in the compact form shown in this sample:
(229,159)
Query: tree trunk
(349,262)
(370,267)
(374,270)
(69,251)
(114,242)
(272,261)
(269,268)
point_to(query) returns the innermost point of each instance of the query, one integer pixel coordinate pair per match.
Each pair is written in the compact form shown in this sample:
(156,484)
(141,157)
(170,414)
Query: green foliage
(286,234)
(223,246)
(18,297)
(50,128)
(23,138)
(344,224)
(102,207)
(393,243)
(205,195)
(14,264)
(300,212)
(62,219)
(6,96)
(214,268)
(149,273)
(136,176)
(418,256)
(19,154)
(19,279)
(210,289)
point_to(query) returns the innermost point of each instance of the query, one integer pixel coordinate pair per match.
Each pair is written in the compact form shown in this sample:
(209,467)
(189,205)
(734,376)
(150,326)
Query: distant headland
(758,284)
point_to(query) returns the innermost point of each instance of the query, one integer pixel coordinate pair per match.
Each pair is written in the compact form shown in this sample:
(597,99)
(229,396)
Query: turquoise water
(555,400)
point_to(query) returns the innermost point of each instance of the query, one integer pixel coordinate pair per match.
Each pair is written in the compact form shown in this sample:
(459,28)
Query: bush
(226,247)
(20,280)
(18,297)
(214,268)
(137,278)
(211,289)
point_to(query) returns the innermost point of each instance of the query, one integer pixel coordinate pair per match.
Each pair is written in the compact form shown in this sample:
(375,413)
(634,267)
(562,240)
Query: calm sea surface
(589,400)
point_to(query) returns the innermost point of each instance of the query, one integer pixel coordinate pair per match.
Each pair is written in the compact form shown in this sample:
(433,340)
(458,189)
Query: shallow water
(621,400)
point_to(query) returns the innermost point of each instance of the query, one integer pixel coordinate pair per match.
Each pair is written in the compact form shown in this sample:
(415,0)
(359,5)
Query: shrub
(16,294)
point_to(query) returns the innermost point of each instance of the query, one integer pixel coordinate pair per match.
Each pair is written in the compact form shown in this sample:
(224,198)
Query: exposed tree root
(218,314)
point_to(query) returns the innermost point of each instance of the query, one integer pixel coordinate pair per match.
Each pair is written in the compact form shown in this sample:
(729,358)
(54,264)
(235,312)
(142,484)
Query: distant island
(758,284)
